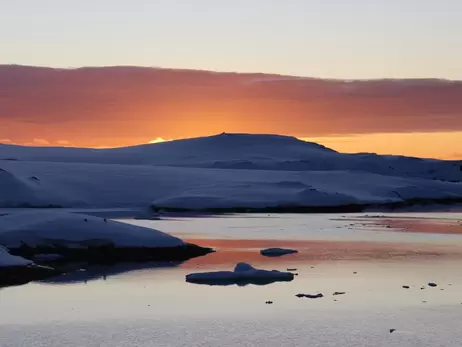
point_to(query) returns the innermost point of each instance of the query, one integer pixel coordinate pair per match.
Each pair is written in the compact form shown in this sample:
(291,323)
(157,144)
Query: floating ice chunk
(243,274)
(277,252)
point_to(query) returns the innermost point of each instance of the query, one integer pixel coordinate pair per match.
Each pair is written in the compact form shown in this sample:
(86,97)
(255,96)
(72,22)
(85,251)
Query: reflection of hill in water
(77,274)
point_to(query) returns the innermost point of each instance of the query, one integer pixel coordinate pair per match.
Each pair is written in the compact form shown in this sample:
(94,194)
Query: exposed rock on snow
(277,252)
(243,274)
(83,237)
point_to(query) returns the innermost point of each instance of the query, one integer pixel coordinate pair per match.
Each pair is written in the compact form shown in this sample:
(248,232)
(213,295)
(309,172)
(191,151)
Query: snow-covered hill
(219,172)
(110,185)
(242,151)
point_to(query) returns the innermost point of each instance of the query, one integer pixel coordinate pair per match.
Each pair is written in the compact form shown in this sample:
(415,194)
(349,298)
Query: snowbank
(23,191)
(277,252)
(101,186)
(49,228)
(244,151)
(8,260)
(243,274)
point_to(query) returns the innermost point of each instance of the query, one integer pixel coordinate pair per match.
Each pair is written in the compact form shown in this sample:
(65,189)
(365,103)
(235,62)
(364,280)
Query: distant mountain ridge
(243,151)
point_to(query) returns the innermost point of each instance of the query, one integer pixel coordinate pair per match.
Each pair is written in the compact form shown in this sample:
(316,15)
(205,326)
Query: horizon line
(151,67)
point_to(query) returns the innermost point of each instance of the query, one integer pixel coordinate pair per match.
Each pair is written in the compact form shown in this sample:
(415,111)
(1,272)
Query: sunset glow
(356,76)
(158,140)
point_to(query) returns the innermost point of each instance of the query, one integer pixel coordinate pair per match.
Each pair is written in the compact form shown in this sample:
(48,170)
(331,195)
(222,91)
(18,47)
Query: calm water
(368,258)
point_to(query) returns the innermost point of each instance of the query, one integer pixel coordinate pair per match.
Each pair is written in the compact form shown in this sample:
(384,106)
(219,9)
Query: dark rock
(277,252)
(310,296)
(392,330)
(431,284)
(406,287)
(269,302)
(18,275)
(339,293)
(291,269)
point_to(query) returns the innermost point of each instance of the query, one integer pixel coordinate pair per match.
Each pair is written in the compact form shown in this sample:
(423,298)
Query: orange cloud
(118,106)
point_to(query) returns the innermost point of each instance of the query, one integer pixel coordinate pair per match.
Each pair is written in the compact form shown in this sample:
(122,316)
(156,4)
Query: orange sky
(110,107)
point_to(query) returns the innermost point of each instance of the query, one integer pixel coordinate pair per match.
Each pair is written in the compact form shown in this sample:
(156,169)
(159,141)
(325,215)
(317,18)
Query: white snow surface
(242,272)
(224,171)
(8,260)
(40,228)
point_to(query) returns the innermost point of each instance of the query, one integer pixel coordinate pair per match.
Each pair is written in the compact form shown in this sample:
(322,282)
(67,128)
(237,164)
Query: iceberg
(78,237)
(243,274)
(277,252)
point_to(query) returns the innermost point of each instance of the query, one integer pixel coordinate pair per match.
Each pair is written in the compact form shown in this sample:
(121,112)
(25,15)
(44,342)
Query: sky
(340,39)
(335,38)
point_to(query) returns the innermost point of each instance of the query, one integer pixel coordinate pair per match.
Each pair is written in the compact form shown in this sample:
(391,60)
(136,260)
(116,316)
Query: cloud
(63,142)
(40,142)
(5,141)
(122,105)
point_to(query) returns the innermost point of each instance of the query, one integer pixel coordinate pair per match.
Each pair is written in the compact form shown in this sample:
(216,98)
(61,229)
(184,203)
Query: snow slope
(243,151)
(94,185)
(45,228)
(224,171)
(8,260)
(25,190)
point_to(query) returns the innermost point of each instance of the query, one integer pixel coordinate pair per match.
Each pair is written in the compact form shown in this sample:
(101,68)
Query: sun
(158,140)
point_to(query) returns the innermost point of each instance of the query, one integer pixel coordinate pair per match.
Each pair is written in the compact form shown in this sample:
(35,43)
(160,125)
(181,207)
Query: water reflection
(230,252)
(239,282)
(79,273)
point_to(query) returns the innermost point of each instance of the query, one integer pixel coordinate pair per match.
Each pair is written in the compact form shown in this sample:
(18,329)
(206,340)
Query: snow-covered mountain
(243,151)
(220,172)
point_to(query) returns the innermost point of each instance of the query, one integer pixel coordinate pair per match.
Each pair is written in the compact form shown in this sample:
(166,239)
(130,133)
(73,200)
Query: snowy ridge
(242,151)
(226,171)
